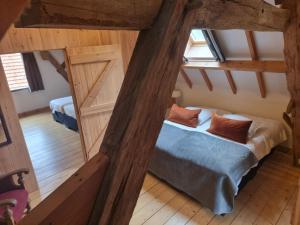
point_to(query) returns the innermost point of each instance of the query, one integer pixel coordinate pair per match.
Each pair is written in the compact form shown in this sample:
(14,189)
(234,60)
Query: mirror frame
(6,132)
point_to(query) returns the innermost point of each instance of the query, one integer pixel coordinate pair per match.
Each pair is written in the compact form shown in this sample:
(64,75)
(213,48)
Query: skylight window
(197,37)
(202,47)
(14,70)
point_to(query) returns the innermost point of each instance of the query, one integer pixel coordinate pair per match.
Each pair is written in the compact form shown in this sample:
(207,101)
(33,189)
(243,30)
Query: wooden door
(95,75)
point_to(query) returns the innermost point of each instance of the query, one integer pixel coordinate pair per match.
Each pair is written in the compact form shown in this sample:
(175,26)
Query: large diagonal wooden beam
(9,12)
(254,56)
(292,57)
(139,112)
(140,14)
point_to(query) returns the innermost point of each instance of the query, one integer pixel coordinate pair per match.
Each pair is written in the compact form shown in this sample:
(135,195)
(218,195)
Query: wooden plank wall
(16,155)
(38,39)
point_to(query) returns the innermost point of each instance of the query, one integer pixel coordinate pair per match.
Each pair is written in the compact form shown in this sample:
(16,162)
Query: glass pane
(197,35)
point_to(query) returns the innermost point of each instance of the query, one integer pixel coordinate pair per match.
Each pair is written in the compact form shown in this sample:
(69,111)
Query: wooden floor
(266,200)
(55,152)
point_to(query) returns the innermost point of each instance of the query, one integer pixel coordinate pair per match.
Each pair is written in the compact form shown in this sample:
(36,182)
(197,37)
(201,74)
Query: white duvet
(59,104)
(264,134)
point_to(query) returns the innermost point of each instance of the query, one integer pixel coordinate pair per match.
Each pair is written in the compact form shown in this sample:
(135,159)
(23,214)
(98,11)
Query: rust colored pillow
(236,130)
(184,116)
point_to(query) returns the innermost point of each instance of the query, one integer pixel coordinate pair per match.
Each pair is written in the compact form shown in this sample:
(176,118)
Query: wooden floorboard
(266,200)
(55,152)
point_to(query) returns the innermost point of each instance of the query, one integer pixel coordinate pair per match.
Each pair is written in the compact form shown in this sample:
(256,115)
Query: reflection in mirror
(4,135)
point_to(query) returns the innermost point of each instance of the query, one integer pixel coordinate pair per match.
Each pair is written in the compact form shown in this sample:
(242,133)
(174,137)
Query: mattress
(57,105)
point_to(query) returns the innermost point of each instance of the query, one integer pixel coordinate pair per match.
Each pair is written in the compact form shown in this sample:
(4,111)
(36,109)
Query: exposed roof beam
(231,81)
(60,68)
(9,11)
(140,14)
(241,14)
(186,78)
(206,79)
(256,66)
(254,56)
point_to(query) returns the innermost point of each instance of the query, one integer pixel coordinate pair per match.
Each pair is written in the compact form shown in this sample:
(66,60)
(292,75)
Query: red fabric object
(22,198)
(184,116)
(236,130)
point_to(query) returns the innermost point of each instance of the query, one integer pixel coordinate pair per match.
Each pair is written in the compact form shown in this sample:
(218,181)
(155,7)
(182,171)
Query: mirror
(4,135)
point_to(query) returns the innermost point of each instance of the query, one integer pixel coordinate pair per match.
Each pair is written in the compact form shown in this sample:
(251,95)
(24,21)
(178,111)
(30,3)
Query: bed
(209,168)
(63,112)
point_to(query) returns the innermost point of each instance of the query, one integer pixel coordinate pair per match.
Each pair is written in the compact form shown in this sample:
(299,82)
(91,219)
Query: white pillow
(204,115)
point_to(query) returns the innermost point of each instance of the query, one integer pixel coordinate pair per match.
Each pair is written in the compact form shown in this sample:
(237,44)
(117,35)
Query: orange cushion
(184,116)
(236,130)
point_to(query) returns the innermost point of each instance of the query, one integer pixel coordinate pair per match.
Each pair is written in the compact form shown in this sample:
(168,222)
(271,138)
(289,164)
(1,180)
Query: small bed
(209,168)
(63,112)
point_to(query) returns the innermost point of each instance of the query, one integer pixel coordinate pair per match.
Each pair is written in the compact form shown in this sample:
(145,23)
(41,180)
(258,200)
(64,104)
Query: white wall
(55,86)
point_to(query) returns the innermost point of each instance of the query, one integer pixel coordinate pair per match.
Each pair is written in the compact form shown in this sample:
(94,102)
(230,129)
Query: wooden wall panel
(34,39)
(15,155)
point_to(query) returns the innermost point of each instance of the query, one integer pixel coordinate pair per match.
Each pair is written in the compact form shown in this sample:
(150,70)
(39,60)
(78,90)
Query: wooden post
(292,57)
(138,115)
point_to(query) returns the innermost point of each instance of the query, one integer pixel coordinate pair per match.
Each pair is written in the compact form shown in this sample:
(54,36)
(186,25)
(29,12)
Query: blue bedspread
(205,167)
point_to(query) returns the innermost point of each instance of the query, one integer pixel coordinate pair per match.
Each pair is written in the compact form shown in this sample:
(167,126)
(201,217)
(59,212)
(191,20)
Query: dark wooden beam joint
(60,68)
(138,115)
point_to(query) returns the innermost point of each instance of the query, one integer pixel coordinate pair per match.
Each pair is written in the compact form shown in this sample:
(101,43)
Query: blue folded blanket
(205,167)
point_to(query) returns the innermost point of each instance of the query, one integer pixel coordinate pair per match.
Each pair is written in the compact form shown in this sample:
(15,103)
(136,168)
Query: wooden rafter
(206,79)
(60,68)
(140,14)
(256,66)
(254,56)
(186,78)
(231,81)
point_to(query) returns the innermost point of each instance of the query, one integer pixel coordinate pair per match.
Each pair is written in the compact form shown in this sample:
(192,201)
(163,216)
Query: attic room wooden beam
(230,81)
(292,58)
(9,11)
(255,66)
(206,79)
(139,111)
(186,78)
(60,68)
(140,14)
(254,56)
